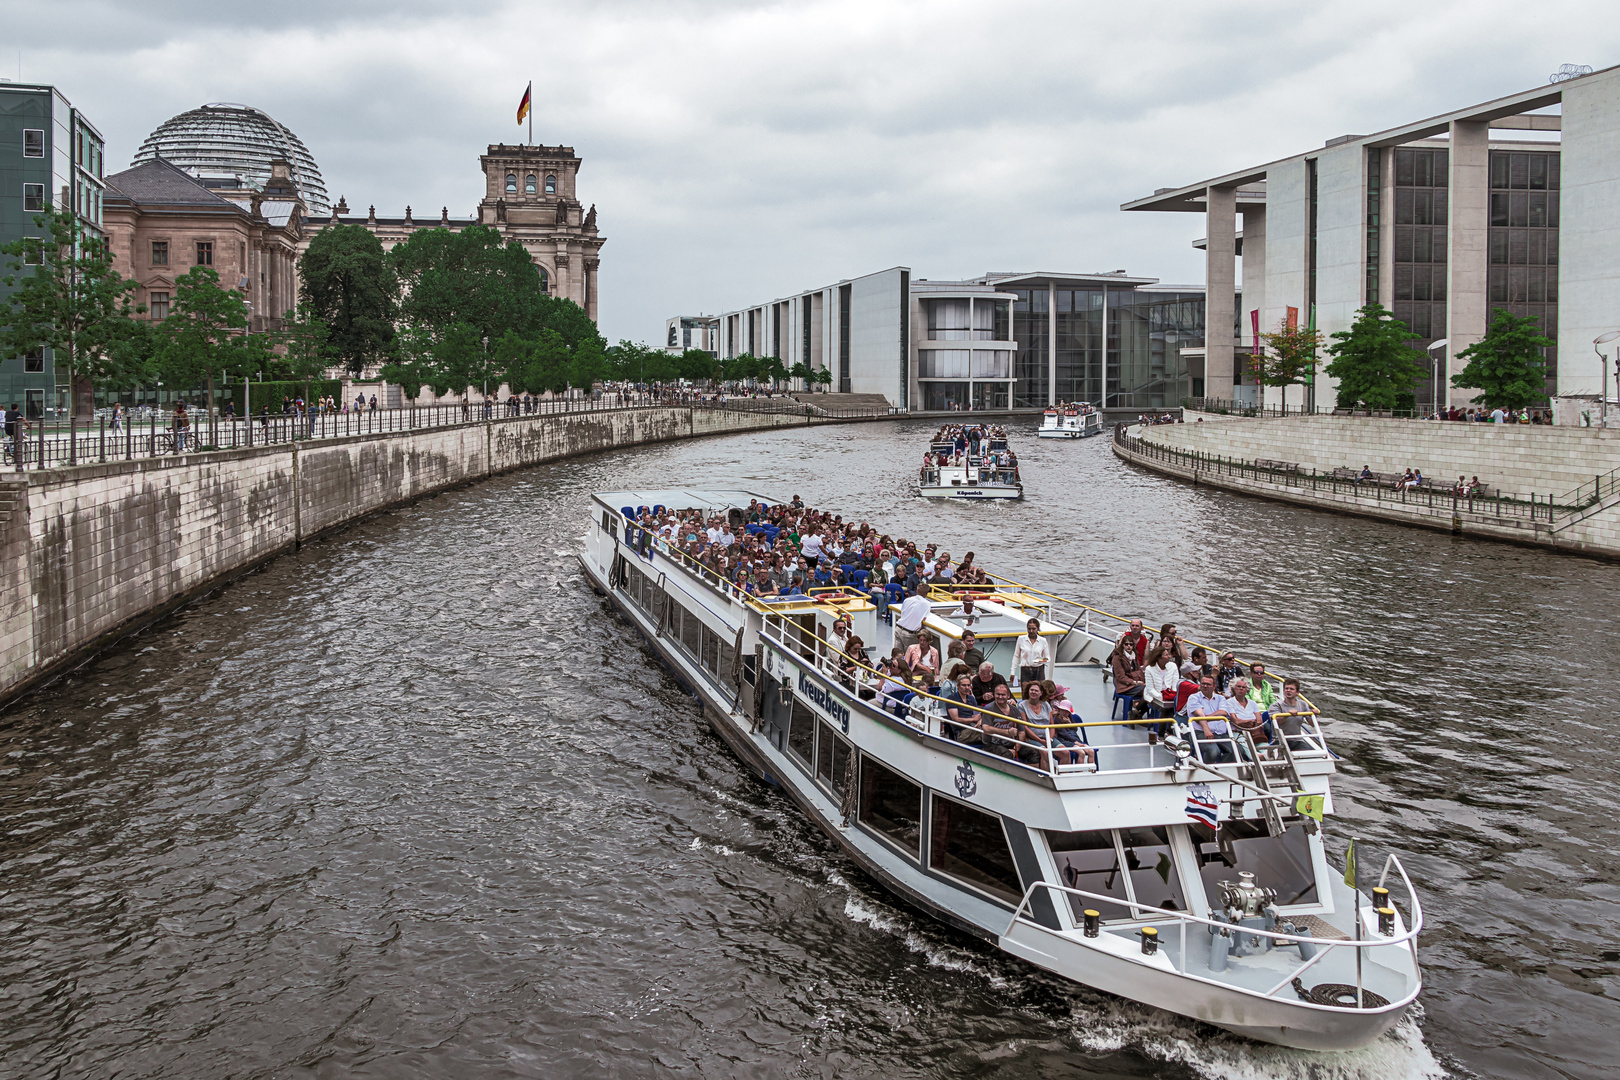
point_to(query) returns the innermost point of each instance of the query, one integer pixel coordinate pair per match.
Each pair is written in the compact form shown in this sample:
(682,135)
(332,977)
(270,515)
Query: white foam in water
(1106,1024)
(718,849)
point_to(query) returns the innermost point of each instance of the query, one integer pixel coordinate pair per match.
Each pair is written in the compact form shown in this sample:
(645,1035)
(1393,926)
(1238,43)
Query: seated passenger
(985,683)
(1261,688)
(922,659)
(1245,712)
(1063,746)
(963,720)
(1289,716)
(1228,671)
(1207,714)
(972,655)
(1007,738)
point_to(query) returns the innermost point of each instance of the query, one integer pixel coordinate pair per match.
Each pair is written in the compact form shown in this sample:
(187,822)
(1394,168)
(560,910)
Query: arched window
(511,183)
(528,184)
(545,280)
(551,184)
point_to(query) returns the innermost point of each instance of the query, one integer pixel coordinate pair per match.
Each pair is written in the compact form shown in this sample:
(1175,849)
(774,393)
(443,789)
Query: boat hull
(971,494)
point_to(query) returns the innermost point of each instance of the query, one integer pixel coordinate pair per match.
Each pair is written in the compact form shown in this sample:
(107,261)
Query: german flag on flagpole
(523,106)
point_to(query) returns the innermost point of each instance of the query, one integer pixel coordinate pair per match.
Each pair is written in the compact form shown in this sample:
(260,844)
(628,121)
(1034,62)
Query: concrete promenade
(92,552)
(1559,486)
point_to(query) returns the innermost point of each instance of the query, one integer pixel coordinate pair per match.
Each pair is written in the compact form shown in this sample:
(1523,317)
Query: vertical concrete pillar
(590,287)
(1467,237)
(1051,343)
(1589,236)
(1254,279)
(1386,230)
(1220,272)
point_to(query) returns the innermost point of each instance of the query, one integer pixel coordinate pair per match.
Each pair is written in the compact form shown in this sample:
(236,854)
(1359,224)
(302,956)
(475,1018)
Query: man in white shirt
(726,539)
(912,613)
(1206,710)
(1032,659)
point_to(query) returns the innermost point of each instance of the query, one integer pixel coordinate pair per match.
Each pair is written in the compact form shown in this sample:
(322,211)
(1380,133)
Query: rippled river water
(413,802)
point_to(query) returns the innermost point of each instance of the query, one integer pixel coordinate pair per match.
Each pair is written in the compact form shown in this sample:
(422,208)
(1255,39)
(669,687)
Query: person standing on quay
(181,423)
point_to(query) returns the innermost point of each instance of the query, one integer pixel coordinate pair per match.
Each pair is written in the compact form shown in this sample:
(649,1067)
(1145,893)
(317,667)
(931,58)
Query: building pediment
(158,281)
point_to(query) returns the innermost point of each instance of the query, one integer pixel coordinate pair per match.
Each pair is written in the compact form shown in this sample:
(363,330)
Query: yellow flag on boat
(1350,865)
(1310,805)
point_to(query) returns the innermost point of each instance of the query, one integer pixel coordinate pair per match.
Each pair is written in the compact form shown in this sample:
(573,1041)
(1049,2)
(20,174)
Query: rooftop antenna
(1569,71)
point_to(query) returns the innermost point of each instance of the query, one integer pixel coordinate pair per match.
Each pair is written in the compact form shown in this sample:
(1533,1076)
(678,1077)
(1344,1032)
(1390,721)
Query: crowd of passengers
(980,444)
(1160,681)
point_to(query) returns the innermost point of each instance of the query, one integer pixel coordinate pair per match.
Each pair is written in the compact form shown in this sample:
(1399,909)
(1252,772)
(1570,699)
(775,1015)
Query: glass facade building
(1114,342)
(1523,274)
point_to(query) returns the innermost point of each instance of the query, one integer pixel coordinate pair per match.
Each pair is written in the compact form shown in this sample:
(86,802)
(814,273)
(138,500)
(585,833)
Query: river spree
(414,802)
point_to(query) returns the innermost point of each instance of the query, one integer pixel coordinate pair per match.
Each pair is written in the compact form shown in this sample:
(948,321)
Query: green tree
(349,284)
(588,364)
(801,371)
(824,377)
(67,297)
(205,333)
(772,368)
(1290,356)
(1373,363)
(697,365)
(1508,365)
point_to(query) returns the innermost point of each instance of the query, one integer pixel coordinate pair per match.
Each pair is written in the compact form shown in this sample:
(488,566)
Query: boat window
(727,659)
(832,758)
(1281,862)
(892,806)
(710,657)
(1153,868)
(1089,861)
(691,633)
(970,844)
(802,733)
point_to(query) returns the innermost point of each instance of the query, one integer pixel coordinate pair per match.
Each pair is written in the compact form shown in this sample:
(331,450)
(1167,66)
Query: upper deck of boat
(1080,639)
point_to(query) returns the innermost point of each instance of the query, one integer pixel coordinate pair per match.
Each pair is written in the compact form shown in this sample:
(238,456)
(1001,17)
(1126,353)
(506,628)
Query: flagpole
(531,112)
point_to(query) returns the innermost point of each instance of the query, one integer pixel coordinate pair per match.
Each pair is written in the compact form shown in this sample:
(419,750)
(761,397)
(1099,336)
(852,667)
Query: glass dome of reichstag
(222,140)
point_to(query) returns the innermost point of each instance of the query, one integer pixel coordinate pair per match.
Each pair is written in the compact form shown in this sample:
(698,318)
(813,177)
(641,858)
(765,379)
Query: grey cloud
(738,151)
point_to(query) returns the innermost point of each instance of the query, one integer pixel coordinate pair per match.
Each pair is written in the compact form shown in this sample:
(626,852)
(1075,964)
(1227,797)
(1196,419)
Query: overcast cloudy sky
(741,151)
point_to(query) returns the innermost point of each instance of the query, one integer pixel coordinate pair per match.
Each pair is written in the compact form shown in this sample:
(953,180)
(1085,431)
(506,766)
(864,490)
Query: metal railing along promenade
(154,434)
(1533,505)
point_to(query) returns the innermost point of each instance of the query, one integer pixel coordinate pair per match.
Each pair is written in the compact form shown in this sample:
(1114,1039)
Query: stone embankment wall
(90,553)
(1513,457)
(1543,460)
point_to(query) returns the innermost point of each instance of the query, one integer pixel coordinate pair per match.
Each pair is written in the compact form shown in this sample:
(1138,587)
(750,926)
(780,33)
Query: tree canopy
(1508,366)
(349,284)
(1373,363)
(1290,356)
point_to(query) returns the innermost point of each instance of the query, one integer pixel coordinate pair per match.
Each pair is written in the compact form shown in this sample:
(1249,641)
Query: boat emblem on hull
(967,785)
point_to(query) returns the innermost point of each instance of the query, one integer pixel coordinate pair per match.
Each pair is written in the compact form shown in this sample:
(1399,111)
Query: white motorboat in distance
(1200,888)
(1070,422)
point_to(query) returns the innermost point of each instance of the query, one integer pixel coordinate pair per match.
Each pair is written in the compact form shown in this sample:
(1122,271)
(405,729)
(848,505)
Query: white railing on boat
(926,713)
(1182,919)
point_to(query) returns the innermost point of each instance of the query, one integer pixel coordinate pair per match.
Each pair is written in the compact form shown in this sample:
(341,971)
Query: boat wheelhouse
(1199,888)
(1073,421)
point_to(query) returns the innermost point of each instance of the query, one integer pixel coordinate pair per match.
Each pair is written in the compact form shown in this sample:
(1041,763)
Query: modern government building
(1023,340)
(1509,204)
(1512,203)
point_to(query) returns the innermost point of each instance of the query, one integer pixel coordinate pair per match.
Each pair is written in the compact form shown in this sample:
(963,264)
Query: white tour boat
(1201,889)
(951,474)
(1073,421)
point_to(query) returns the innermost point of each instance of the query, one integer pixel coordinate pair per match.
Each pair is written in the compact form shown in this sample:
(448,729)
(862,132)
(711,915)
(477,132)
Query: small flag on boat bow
(1201,806)
(1310,805)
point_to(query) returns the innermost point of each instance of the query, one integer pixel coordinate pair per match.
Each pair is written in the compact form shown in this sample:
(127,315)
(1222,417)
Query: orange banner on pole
(1293,318)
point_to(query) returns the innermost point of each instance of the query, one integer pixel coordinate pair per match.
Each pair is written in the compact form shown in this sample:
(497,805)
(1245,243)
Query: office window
(158,304)
(33,198)
(160,253)
(528,184)
(205,253)
(551,184)
(33,142)
(511,183)
(34,361)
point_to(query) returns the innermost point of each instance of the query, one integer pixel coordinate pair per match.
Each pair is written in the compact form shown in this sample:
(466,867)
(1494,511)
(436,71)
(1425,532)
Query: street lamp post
(1433,345)
(1603,363)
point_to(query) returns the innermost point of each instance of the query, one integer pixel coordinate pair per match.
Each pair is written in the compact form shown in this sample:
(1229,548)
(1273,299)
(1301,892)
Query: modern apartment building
(1512,204)
(50,156)
(1023,340)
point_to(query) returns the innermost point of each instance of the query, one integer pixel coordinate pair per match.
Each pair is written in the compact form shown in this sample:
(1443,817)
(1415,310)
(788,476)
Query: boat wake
(1103,1024)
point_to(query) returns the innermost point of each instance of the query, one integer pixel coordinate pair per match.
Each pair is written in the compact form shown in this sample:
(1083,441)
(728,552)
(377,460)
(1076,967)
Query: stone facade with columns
(529,196)
(1512,203)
